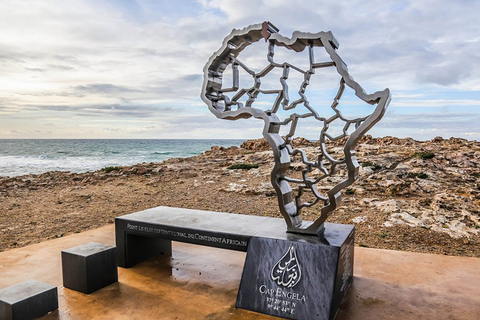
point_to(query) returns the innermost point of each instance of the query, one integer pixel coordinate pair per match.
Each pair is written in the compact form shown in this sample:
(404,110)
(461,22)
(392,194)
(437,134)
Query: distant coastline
(20,157)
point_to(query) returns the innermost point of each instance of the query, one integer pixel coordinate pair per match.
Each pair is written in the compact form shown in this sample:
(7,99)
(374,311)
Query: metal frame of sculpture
(213,94)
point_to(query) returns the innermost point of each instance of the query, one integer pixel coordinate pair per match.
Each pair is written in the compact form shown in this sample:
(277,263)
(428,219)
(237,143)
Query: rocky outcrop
(429,184)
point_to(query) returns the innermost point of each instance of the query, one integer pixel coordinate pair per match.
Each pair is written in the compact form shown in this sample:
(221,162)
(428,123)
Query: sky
(134,69)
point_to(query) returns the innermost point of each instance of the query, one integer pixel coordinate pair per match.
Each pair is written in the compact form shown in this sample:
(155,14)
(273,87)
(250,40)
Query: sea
(35,156)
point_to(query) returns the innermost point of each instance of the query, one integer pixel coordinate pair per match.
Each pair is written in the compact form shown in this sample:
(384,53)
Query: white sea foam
(18,165)
(19,157)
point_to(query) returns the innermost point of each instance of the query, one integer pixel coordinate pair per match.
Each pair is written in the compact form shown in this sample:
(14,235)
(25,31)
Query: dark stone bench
(146,234)
(288,275)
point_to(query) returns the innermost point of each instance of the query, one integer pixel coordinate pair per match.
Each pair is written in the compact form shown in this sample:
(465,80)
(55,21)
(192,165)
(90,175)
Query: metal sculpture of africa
(215,95)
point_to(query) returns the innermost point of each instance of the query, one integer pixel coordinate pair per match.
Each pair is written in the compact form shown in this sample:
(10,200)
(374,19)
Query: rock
(387,206)
(188,174)
(256,145)
(158,170)
(234,187)
(360,219)
(141,170)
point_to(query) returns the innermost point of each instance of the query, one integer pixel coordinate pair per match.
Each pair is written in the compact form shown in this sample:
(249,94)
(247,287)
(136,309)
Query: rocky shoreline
(411,195)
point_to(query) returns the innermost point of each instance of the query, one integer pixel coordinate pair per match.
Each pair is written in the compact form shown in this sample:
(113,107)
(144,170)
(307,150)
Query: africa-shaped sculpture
(224,102)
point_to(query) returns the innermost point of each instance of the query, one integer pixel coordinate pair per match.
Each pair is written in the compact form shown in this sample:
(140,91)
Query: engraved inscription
(286,272)
(346,256)
(188,236)
(282,301)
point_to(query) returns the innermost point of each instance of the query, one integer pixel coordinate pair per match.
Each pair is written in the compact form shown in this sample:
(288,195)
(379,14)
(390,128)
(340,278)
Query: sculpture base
(298,278)
(89,267)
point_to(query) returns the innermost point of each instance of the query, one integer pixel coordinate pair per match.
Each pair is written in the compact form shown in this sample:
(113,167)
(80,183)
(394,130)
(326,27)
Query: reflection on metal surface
(225,103)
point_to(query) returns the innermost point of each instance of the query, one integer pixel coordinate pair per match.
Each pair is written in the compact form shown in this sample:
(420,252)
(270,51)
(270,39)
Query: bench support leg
(133,249)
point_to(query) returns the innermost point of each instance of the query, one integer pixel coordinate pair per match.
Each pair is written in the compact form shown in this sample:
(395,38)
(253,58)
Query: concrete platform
(202,282)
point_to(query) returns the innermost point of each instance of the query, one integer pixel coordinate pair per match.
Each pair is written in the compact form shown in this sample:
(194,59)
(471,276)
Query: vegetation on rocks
(425,155)
(110,169)
(243,166)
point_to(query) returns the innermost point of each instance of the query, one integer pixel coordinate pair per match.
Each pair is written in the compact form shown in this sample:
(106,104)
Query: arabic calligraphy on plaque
(286,272)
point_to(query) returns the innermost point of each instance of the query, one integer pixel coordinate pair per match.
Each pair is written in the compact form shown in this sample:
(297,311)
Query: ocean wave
(38,156)
(20,165)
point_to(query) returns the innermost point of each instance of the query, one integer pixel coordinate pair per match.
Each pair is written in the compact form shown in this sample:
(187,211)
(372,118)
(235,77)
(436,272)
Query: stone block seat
(89,267)
(27,300)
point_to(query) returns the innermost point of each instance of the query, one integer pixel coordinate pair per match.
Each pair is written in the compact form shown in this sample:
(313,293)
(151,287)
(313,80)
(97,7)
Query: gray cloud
(191,78)
(36,69)
(60,67)
(10,58)
(445,74)
(112,129)
(109,110)
(82,91)
(103,88)
(179,88)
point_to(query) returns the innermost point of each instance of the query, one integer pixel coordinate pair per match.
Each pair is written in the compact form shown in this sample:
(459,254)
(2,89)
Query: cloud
(51,67)
(109,110)
(112,129)
(449,120)
(103,88)
(445,74)
(135,60)
(425,126)
(10,58)
(60,67)
(36,69)
(436,103)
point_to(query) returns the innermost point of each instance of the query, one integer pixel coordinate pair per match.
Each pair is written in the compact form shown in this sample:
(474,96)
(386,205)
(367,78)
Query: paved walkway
(201,283)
